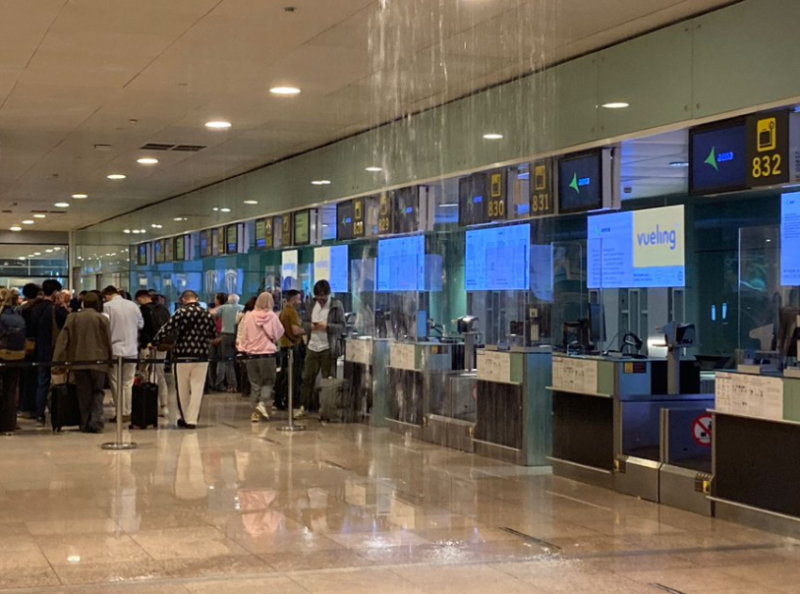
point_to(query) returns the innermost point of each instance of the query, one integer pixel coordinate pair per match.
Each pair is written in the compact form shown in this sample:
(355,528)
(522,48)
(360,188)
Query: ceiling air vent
(39,211)
(7,211)
(154,146)
(188,148)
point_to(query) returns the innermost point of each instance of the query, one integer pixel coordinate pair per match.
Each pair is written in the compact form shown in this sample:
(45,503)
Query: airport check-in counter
(365,363)
(756,475)
(614,427)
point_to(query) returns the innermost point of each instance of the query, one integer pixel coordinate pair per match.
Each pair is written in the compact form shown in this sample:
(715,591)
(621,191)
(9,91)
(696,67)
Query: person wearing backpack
(12,349)
(155,316)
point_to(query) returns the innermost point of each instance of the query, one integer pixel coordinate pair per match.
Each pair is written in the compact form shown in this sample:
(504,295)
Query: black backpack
(159,315)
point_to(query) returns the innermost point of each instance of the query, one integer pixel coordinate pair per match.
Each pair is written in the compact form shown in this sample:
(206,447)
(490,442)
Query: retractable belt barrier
(119,444)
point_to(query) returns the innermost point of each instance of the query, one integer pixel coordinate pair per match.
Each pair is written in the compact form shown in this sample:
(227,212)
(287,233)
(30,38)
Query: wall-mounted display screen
(717,155)
(401,264)
(498,259)
(180,248)
(580,182)
(205,243)
(158,252)
(637,249)
(232,239)
(344,220)
(406,210)
(472,199)
(216,241)
(332,264)
(141,254)
(285,230)
(302,227)
(169,254)
(290,270)
(790,240)
(261,233)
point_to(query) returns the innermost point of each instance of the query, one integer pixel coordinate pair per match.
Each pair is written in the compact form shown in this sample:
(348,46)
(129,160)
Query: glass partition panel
(762,299)
(569,288)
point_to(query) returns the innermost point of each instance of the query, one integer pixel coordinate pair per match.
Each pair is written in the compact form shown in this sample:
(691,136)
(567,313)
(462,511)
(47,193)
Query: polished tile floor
(240,508)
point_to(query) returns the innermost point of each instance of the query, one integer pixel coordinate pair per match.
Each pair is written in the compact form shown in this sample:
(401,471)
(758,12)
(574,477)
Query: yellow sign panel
(767,135)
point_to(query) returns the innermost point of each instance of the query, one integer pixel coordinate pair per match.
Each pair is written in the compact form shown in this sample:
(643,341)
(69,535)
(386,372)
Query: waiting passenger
(126,320)
(227,349)
(325,325)
(193,328)
(244,382)
(292,341)
(262,330)
(47,318)
(29,378)
(12,350)
(215,348)
(155,316)
(87,337)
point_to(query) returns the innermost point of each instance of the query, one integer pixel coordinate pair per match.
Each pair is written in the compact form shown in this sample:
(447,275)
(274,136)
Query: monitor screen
(332,264)
(158,252)
(344,220)
(498,259)
(216,241)
(472,199)
(580,182)
(261,234)
(180,248)
(302,224)
(406,210)
(232,239)
(401,264)
(636,249)
(790,240)
(718,158)
(141,255)
(205,243)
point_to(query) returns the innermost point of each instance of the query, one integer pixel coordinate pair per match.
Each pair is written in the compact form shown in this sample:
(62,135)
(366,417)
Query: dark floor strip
(267,439)
(532,539)
(335,465)
(687,551)
(667,589)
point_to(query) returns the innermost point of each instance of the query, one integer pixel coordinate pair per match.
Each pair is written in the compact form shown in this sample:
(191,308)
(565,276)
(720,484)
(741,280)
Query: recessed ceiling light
(57,249)
(136,232)
(616,105)
(49,251)
(126,231)
(39,216)
(251,202)
(374,169)
(215,209)
(30,255)
(116,176)
(218,125)
(180,219)
(16,228)
(142,230)
(679,164)
(285,91)
(21,258)
(27,222)
(147,161)
(62,204)
(37,253)
(492,136)
(321,182)
(224,209)
(80,196)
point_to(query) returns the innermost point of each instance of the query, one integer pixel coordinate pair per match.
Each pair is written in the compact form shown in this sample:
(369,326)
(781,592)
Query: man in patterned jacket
(192,328)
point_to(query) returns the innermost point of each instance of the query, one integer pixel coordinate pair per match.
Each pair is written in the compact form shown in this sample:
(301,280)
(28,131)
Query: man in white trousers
(125,321)
(192,328)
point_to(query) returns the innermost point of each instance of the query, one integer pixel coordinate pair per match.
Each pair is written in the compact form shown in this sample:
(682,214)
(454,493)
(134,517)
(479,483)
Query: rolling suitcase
(336,403)
(64,408)
(144,400)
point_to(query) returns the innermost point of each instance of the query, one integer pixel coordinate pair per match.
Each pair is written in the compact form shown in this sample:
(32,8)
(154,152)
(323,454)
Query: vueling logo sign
(577,183)
(715,159)
(659,237)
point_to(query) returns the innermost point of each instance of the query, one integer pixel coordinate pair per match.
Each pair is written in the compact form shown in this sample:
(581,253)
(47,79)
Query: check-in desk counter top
(605,406)
(365,367)
(513,419)
(756,427)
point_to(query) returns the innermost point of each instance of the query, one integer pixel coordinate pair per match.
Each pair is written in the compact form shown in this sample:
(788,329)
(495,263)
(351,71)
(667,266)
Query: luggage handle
(153,363)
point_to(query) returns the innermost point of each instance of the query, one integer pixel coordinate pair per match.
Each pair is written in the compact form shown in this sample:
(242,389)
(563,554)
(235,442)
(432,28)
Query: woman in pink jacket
(260,331)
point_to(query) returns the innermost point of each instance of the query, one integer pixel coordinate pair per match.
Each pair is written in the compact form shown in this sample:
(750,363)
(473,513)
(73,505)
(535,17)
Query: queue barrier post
(118,444)
(291,427)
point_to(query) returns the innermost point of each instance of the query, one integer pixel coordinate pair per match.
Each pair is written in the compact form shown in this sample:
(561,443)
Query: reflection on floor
(240,508)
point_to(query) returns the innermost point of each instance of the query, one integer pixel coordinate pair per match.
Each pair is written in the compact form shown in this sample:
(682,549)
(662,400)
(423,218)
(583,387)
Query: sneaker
(255,417)
(41,422)
(299,412)
(261,409)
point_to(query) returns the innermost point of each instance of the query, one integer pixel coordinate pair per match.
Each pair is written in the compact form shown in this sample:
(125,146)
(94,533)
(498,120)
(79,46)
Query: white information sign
(359,351)
(575,375)
(494,366)
(402,356)
(749,395)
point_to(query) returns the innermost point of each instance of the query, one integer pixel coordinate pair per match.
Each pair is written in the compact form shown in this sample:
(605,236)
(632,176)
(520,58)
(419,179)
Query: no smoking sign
(701,430)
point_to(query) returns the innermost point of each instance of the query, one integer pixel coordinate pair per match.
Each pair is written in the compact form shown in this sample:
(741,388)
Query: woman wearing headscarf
(261,330)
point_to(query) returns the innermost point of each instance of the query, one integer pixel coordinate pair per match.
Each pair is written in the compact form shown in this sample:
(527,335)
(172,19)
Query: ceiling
(75,74)
(655,166)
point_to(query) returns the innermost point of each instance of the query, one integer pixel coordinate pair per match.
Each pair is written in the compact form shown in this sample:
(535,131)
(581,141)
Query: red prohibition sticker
(701,430)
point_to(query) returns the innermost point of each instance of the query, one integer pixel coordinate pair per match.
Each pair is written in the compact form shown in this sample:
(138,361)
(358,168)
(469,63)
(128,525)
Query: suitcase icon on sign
(767,131)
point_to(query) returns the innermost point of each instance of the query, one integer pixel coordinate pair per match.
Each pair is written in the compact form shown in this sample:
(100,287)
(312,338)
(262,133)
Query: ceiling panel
(80,73)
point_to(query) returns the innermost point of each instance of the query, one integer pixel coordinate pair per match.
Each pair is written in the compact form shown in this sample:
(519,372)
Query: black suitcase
(144,401)
(64,408)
